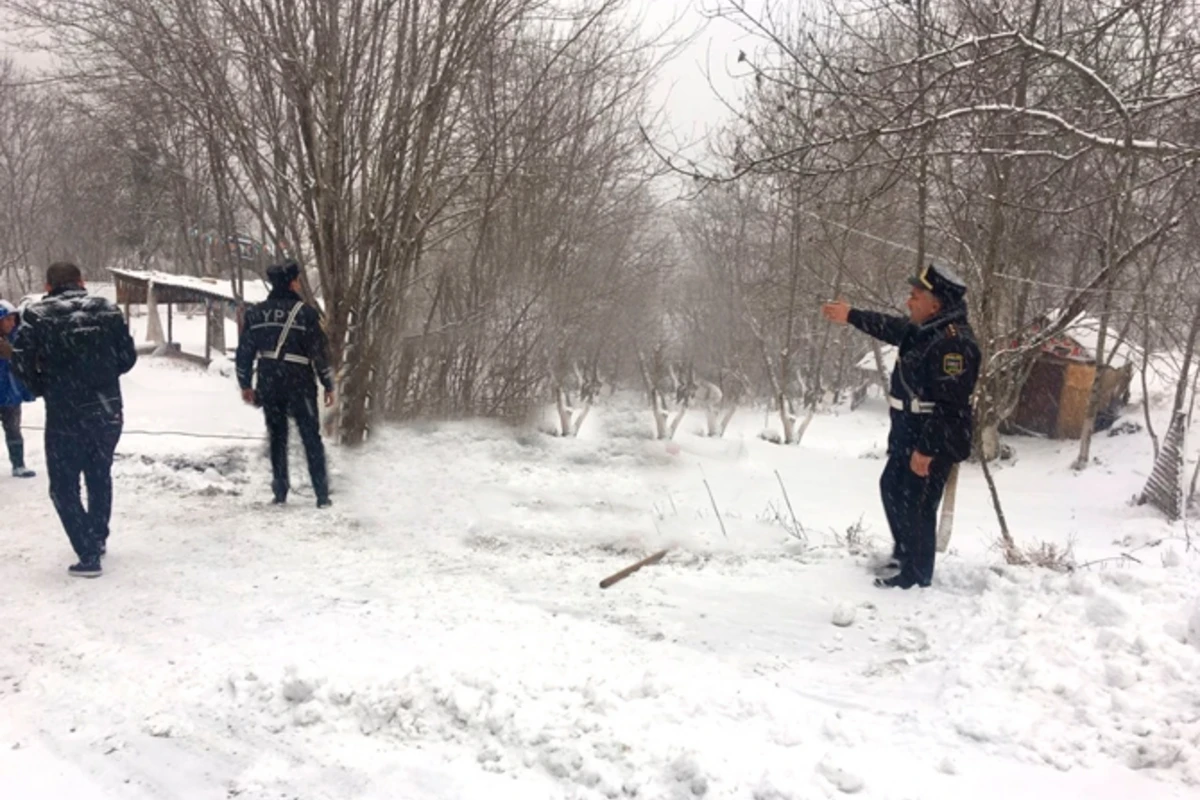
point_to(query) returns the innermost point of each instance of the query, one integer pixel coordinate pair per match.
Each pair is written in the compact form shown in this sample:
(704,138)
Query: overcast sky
(682,91)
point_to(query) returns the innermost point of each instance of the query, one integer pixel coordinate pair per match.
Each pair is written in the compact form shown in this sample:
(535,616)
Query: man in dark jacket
(71,350)
(932,383)
(12,393)
(284,336)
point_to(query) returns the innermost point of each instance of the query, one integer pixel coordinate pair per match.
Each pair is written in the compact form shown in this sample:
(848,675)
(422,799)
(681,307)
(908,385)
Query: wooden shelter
(151,289)
(1054,399)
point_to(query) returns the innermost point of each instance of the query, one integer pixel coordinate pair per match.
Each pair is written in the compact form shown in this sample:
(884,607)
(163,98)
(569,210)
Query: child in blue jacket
(12,393)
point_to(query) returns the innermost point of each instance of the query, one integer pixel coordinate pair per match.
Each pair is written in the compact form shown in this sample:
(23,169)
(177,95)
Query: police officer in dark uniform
(284,335)
(932,383)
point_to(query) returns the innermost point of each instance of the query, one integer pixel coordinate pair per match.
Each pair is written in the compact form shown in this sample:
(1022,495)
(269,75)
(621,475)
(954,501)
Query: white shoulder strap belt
(278,353)
(915,407)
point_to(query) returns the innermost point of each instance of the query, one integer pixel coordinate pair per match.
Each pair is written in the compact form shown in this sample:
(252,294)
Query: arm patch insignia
(952,364)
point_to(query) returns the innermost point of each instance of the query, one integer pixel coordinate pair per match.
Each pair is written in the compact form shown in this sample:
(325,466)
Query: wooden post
(946,523)
(170,335)
(154,331)
(208,326)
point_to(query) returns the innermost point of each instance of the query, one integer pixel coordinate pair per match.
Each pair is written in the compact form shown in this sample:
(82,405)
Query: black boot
(901,581)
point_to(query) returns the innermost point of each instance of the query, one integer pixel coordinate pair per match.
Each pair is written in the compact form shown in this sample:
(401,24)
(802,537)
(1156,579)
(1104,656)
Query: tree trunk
(1146,343)
(1093,406)
(1164,489)
(1010,547)
(786,410)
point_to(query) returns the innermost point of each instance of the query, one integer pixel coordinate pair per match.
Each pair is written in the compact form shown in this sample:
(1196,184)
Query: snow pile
(1070,671)
(216,474)
(595,731)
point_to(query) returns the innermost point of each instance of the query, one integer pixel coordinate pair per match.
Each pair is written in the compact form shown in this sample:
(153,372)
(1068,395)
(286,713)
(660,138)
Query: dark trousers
(10,420)
(302,407)
(83,446)
(911,504)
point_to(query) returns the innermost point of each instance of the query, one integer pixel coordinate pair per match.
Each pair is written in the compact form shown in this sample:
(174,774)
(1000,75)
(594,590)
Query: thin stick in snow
(792,511)
(714,505)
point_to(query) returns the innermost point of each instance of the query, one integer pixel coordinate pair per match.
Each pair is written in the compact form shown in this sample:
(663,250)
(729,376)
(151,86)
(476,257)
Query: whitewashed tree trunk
(1164,489)
(989,442)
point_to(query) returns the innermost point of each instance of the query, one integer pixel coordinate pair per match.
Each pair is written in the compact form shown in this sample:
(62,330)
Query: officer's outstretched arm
(953,365)
(884,327)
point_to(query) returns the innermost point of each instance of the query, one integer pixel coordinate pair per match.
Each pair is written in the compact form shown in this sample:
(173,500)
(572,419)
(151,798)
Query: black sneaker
(324,502)
(86,569)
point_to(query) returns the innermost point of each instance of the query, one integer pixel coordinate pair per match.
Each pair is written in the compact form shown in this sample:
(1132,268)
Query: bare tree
(356,133)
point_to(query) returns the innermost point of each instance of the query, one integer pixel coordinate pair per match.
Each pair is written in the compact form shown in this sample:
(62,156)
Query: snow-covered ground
(440,633)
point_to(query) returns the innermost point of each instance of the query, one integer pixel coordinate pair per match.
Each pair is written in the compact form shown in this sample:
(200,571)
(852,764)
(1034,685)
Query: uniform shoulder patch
(952,363)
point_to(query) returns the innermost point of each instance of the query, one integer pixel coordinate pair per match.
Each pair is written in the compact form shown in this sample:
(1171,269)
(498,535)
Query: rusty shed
(1054,399)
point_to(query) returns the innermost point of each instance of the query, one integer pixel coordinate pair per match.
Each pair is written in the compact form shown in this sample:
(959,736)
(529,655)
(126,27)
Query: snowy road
(441,634)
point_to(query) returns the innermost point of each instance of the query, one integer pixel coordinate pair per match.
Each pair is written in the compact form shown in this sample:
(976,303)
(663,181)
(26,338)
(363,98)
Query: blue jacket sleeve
(884,327)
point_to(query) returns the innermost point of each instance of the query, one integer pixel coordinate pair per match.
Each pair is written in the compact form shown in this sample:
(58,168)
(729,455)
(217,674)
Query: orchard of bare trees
(476,187)
(1046,149)
(465,181)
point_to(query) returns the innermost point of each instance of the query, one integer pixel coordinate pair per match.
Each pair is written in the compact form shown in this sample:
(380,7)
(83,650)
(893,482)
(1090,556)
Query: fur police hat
(282,275)
(941,282)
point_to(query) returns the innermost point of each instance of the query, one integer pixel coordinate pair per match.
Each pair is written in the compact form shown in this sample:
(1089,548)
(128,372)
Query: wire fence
(189,434)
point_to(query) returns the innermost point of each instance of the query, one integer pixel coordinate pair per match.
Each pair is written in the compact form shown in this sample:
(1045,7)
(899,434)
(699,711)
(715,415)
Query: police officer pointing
(284,336)
(931,387)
